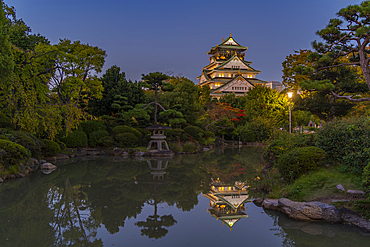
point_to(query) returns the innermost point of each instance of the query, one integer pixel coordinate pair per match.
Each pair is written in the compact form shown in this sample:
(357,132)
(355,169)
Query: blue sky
(143,36)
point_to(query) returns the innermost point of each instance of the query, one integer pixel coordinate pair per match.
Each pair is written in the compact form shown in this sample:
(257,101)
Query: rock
(139,154)
(95,152)
(340,187)
(12,176)
(117,151)
(206,149)
(102,152)
(356,192)
(42,161)
(62,156)
(218,142)
(352,218)
(125,154)
(258,201)
(51,158)
(72,155)
(271,204)
(48,166)
(34,161)
(309,210)
(1,180)
(20,175)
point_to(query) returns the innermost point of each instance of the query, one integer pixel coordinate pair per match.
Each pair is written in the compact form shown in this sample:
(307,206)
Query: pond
(187,200)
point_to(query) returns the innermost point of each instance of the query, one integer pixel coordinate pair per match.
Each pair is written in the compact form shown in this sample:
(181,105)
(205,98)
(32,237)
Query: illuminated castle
(227,71)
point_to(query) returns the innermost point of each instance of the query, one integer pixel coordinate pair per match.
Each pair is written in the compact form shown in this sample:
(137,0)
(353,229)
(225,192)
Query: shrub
(126,129)
(208,134)
(4,137)
(259,130)
(96,136)
(106,141)
(173,134)
(189,147)
(353,134)
(194,131)
(27,140)
(298,161)
(75,139)
(175,147)
(126,140)
(5,122)
(51,148)
(185,137)
(91,126)
(14,153)
(62,145)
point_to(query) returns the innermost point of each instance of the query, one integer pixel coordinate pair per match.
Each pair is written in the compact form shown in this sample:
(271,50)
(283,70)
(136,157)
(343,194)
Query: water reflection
(148,198)
(227,201)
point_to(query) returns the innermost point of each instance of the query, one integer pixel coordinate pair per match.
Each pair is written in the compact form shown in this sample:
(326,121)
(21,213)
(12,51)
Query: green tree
(6,58)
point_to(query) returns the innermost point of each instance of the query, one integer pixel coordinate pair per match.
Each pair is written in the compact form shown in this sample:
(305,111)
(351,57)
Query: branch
(338,65)
(154,103)
(349,97)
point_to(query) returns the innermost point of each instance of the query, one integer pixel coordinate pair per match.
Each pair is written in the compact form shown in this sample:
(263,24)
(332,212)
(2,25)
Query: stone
(62,156)
(218,142)
(139,154)
(1,180)
(51,158)
(34,161)
(206,149)
(125,154)
(352,218)
(12,176)
(93,152)
(340,187)
(103,152)
(20,175)
(117,151)
(258,201)
(48,166)
(271,204)
(309,211)
(356,192)
(42,161)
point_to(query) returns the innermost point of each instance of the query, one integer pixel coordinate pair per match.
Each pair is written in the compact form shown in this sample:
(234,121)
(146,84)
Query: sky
(143,36)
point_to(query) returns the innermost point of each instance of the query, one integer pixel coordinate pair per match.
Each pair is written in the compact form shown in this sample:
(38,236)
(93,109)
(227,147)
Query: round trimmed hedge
(75,139)
(12,153)
(126,140)
(96,136)
(126,129)
(51,148)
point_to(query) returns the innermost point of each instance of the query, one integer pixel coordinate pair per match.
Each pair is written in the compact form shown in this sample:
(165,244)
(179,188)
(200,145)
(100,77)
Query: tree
(345,49)
(154,81)
(6,58)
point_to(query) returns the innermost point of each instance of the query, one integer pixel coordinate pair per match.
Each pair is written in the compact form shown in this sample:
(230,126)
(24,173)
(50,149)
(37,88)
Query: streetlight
(290,94)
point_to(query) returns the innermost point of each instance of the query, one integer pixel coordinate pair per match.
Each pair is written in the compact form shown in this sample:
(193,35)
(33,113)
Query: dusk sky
(143,36)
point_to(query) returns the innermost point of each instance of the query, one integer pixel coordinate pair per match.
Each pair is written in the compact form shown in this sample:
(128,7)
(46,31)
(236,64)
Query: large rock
(62,156)
(309,210)
(48,166)
(352,218)
(271,204)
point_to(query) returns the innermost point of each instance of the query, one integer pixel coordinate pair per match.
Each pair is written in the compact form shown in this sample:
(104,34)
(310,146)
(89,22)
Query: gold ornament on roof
(230,35)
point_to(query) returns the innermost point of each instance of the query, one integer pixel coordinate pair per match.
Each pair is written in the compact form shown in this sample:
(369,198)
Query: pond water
(189,200)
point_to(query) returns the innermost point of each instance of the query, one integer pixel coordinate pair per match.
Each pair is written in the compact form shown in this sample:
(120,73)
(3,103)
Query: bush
(126,129)
(62,145)
(173,134)
(353,153)
(5,122)
(259,130)
(208,134)
(194,131)
(14,153)
(96,136)
(175,147)
(189,147)
(284,142)
(27,140)
(91,126)
(126,140)
(51,148)
(298,161)
(106,141)
(75,139)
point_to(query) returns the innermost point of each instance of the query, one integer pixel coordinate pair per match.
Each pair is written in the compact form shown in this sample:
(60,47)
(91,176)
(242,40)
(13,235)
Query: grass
(316,184)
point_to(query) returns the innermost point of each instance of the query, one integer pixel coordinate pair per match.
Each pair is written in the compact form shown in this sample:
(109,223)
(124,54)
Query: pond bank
(315,211)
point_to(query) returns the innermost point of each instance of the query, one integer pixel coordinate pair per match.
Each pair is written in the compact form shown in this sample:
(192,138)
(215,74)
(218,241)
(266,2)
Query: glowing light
(290,94)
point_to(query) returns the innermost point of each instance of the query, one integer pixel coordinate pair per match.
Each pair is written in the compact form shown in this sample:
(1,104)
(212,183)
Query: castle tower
(227,71)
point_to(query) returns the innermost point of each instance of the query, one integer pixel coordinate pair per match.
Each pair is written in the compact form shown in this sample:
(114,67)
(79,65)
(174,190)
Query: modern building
(227,71)
(275,85)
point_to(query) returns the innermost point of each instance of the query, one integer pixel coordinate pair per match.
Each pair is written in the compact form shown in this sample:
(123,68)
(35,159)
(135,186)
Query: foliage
(261,129)
(27,140)
(126,129)
(173,118)
(208,134)
(14,153)
(175,146)
(298,161)
(94,137)
(106,141)
(366,177)
(194,131)
(189,147)
(50,148)
(126,139)
(353,153)
(91,126)
(173,134)
(75,139)
(283,142)
(6,58)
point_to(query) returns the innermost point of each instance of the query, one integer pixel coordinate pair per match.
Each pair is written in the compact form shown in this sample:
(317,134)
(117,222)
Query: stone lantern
(158,142)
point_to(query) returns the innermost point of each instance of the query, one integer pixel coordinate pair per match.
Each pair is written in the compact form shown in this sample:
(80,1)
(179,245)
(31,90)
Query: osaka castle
(227,71)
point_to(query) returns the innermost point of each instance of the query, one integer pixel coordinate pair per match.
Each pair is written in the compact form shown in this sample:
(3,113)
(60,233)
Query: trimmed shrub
(124,140)
(106,141)
(175,147)
(27,140)
(75,139)
(259,130)
(96,136)
(298,161)
(189,147)
(208,134)
(3,137)
(91,126)
(5,122)
(353,153)
(62,145)
(185,137)
(51,148)
(174,134)
(126,129)
(14,153)
(194,131)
